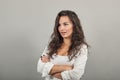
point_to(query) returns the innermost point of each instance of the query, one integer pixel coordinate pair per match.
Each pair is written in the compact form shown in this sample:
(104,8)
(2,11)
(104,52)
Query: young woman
(65,56)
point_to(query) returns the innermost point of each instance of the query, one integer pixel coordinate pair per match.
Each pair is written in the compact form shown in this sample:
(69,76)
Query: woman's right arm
(44,67)
(60,68)
(55,68)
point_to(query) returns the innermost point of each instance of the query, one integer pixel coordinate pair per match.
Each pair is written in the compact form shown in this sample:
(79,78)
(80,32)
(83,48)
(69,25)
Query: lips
(63,33)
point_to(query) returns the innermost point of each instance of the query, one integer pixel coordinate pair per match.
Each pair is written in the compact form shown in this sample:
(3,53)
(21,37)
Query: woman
(65,56)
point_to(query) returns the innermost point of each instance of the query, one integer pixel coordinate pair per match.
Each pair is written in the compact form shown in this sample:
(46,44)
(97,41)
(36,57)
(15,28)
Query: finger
(44,59)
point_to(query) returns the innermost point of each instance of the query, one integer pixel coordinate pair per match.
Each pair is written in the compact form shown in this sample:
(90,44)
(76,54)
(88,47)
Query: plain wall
(26,26)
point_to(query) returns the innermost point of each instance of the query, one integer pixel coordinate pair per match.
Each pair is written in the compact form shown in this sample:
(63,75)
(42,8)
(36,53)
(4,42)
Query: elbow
(40,66)
(77,75)
(38,69)
(72,74)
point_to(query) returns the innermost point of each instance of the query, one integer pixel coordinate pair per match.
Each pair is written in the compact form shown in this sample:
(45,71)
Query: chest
(63,51)
(61,60)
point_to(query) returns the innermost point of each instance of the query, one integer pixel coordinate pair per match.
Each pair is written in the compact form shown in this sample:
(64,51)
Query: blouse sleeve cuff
(48,66)
(65,75)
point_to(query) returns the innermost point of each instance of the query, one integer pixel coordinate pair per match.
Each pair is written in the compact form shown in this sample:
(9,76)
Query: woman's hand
(57,75)
(45,58)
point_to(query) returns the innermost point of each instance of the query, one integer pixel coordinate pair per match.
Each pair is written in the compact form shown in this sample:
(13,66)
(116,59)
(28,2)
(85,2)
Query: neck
(67,41)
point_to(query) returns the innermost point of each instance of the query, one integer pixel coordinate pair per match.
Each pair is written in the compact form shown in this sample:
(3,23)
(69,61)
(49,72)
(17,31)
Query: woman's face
(65,27)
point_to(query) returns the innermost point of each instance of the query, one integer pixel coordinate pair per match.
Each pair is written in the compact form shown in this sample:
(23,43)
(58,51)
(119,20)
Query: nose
(61,27)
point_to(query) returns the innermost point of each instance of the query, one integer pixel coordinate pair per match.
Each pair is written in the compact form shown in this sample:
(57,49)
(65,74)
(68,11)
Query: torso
(61,56)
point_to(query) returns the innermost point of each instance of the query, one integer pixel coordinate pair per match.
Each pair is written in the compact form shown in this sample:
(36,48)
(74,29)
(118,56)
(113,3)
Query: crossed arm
(73,72)
(56,69)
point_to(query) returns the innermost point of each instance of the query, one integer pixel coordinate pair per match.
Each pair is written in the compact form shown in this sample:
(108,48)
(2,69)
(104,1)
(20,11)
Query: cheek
(58,29)
(70,30)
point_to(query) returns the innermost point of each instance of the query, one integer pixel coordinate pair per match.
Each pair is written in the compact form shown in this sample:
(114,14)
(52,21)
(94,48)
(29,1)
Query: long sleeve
(79,66)
(44,68)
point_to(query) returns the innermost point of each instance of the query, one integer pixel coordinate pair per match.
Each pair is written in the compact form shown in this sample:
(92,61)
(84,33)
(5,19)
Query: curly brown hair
(78,38)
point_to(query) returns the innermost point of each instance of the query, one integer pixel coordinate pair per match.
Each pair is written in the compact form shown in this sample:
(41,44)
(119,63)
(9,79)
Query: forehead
(64,19)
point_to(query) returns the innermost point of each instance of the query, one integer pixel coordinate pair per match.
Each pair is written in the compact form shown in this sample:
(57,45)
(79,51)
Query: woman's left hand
(45,58)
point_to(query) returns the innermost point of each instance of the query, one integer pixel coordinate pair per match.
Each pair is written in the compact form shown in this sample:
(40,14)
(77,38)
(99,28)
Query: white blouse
(79,62)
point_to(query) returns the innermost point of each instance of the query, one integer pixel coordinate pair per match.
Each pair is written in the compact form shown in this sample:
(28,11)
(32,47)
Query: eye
(65,24)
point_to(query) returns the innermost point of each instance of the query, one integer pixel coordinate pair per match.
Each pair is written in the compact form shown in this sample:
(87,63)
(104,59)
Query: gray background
(26,26)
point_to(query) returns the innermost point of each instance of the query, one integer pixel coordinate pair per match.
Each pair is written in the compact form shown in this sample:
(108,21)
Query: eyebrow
(65,22)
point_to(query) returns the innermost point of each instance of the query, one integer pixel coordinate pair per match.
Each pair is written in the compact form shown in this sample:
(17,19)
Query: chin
(66,37)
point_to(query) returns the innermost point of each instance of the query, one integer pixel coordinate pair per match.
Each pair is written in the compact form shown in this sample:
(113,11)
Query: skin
(65,29)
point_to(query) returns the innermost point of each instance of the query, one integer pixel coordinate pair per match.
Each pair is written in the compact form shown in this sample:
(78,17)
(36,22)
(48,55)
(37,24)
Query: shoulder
(83,50)
(84,46)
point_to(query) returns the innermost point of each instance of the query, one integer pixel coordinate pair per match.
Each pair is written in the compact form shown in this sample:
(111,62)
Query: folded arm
(60,68)
(56,69)
(44,65)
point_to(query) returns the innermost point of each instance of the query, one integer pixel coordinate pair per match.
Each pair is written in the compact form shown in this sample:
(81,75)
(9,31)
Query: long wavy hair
(78,38)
